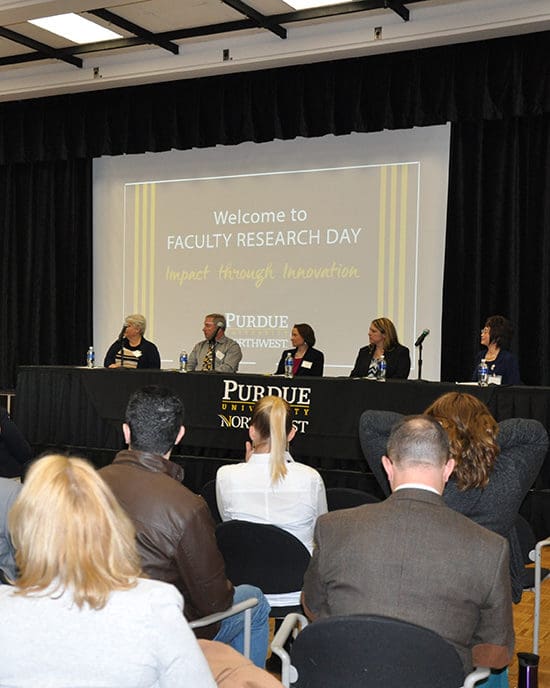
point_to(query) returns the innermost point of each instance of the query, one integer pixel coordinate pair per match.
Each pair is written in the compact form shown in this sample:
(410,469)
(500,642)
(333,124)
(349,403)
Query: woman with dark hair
(307,360)
(496,463)
(496,338)
(383,341)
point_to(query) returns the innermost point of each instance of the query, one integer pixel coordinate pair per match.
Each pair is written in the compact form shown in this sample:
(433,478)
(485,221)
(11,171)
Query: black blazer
(398,362)
(314,356)
(15,451)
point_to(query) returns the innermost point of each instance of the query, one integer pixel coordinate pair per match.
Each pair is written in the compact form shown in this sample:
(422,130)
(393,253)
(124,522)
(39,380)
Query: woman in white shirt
(79,614)
(270,487)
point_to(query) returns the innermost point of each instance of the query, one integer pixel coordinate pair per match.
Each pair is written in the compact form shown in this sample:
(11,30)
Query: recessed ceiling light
(307,4)
(75,28)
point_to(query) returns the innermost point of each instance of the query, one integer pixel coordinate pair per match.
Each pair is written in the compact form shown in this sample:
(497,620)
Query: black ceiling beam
(332,10)
(398,7)
(45,50)
(139,31)
(260,19)
(198,31)
(8,60)
(176,34)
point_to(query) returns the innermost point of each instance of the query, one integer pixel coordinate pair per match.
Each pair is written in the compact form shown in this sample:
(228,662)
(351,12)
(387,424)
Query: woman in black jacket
(307,360)
(383,341)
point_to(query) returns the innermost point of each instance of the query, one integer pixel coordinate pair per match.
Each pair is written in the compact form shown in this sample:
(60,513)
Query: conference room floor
(523,626)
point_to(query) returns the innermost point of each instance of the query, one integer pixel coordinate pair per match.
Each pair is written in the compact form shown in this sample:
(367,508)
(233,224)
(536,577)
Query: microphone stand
(121,350)
(214,342)
(420,361)
(214,354)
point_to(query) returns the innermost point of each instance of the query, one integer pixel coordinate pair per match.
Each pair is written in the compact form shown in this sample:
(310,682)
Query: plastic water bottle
(483,373)
(90,357)
(381,372)
(289,365)
(183,361)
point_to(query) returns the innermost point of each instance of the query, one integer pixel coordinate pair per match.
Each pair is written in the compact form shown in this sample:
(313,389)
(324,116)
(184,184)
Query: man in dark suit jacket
(413,558)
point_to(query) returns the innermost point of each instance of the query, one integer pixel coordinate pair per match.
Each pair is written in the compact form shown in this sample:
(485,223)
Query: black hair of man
(154,415)
(418,440)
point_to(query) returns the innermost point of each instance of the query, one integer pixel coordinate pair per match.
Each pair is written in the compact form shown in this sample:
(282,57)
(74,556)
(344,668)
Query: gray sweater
(140,639)
(523,446)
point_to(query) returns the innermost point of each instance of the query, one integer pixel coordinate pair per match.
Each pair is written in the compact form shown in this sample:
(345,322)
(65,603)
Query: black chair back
(347,498)
(208,492)
(368,651)
(262,555)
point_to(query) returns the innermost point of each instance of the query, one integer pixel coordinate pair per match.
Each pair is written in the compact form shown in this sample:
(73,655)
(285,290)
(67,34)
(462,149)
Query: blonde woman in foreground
(79,614)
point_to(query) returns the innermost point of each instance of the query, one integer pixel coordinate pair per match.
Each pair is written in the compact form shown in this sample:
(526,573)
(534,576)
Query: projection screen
(333,231)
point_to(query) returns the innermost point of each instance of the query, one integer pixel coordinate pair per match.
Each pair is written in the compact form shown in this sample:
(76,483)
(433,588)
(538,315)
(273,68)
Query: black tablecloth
(77,407)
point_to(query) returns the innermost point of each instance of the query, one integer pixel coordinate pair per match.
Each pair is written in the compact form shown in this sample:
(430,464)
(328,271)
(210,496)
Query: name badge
(494,379)
(219,355)
(307,364)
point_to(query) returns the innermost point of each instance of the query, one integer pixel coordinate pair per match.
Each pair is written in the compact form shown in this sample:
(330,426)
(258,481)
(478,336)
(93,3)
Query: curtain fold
(498,242)
(45,264)
(506,77)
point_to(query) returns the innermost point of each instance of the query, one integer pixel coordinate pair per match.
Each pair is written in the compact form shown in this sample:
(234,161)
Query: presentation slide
(332,231)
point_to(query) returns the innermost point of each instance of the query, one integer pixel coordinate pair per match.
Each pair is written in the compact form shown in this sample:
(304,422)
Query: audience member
(411,557)
(79,613)
(216,351)
(15,451)
(9,489)
(232,670)
(306,359)
(383,342)
(175,531)
(270,487)
(496,464)
(132,350)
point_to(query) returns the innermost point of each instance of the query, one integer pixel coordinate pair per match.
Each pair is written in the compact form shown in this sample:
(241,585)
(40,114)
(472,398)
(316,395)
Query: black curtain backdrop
(45,264)
(495,93)
(498,242)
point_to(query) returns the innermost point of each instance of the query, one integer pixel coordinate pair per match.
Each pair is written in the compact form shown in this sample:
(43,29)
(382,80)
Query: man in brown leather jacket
(174,529)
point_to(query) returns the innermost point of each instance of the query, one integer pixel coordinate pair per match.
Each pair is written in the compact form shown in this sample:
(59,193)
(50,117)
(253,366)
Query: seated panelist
(215,352)
(383,341)
(307,360)
(496,339)
(131,349)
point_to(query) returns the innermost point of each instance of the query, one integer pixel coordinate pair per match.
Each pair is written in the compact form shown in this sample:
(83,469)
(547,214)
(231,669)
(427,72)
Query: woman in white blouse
(270,487)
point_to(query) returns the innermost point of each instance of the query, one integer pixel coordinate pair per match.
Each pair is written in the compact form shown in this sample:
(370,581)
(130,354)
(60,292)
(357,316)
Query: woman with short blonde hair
(79,613)
(131,349)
